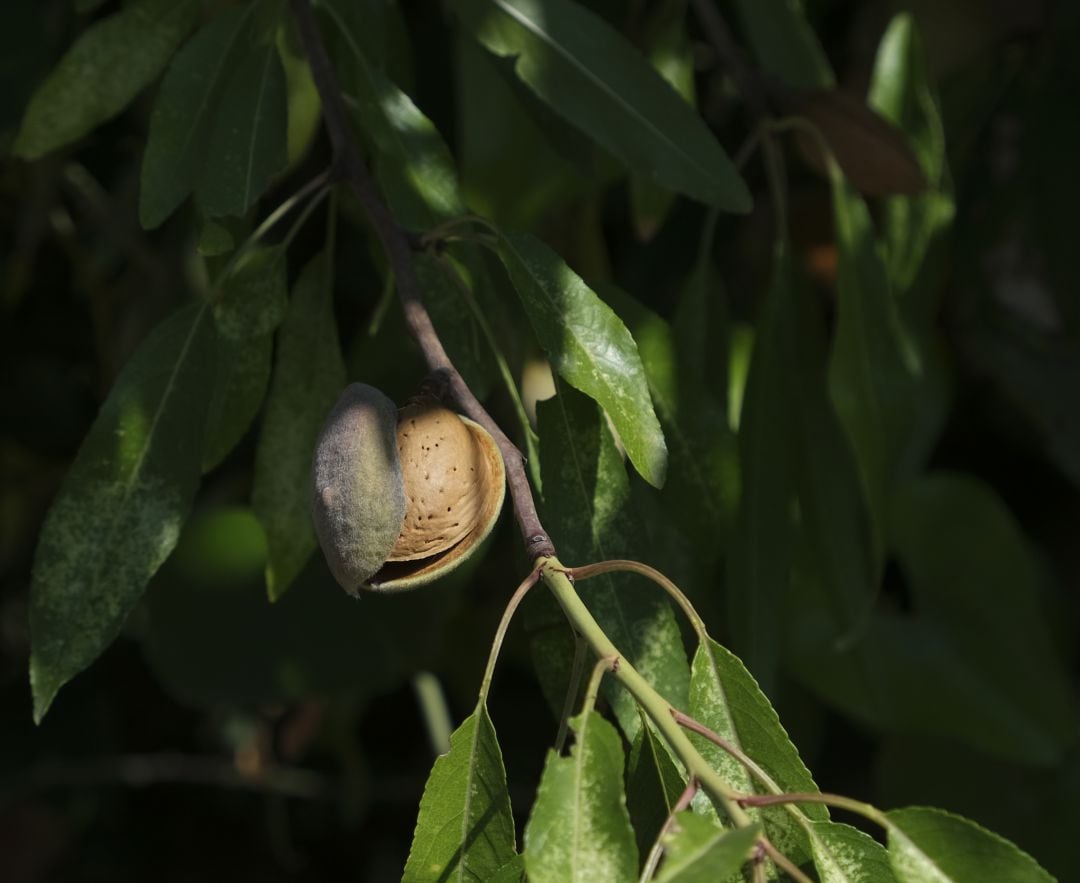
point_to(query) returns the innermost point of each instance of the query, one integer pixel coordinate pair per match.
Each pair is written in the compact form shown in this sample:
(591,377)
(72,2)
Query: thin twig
(657,850)
(350,167)
(577,669)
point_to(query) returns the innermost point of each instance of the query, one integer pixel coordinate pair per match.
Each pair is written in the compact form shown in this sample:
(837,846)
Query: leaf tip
(43,689)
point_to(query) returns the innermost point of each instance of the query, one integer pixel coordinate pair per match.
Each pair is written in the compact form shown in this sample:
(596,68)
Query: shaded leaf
(579,828)
(309,374)
(588,346)
(465,830)
(933,846)
(241,377)
(185,112)
(726,699)
(784,42)
(594,78)
(587,496)
(700,851)
(970,570)
(653,786)
(120,509)
(106,67)
(247,142)
(843,854)
(251,299)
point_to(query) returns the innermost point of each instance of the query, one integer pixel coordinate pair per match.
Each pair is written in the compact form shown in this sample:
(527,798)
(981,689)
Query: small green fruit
(399,500)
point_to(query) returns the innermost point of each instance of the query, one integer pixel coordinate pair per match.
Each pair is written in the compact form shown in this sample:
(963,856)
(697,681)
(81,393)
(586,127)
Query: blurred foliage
(872,418)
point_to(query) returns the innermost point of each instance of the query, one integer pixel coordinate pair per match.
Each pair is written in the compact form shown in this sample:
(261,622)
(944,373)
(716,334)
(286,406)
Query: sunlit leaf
(593,77)
(588,346)
(579,828)
(309,374)
(119,512)
(843,854)
(105,68)
(933,846)
(586,501)
(700,851)
(465,830)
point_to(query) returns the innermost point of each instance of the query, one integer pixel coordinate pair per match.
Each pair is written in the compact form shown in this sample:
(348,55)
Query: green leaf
(653,785)
(186,111)
(465,830)
(123,502)
(251,298)
(214,239)
(241,376)
(933,846)
(785,43)
(106,67)
(871,370)
(758,560)
(247,142)
(587,495)
(579,828)
(843,854)
(970,570)
(309,374)
(588,346)
(414,168)
(590,75)
(700,851)
(726,699)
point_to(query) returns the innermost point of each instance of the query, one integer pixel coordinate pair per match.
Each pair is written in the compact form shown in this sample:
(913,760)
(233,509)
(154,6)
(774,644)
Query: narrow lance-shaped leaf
(241,377)
(309,374)
(120,509)
(653,785)
(579,829)
(587,495)
(105,68)
(465,830)
(843,854)
(784,42)
(758,560)
(933,846)
(700,851)
(592,76)
(252,298)
(247,143)
(727,700)
(185,111)
(588,346)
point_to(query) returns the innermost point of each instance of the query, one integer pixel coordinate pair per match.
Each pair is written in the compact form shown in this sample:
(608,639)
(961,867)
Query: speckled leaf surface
(241,377)
(120,509)
(579,830)
(105,68)
(588,346)
(251,299)
(843,854)
(700,851)
(309,374)
(465,830)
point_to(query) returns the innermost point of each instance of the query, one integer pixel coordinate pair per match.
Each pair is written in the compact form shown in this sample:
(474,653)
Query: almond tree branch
(349,167)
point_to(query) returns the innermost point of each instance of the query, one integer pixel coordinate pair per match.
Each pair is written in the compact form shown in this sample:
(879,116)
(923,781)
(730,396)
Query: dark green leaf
(119,512)
(309,374)
(758,560)
(700,851)
(251,299)
(785,43)
(247,146)
(594,78)
(725,698)
(465,830)
(933,846)
(587,497)
(588,346)
(241,376)
(653,786)
(579,828)
(970,570)
(843,854)
(872,368)
(214,239)
(213,641)
(185,113)
(107,66)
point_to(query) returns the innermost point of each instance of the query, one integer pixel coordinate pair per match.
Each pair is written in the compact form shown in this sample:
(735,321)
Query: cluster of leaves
(785,466)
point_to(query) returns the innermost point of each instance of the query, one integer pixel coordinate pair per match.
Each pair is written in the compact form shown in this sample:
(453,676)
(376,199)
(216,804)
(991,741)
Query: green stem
(593,690)
(656,706)
(576,670)
(865,810)
(657,851)
(500,633)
